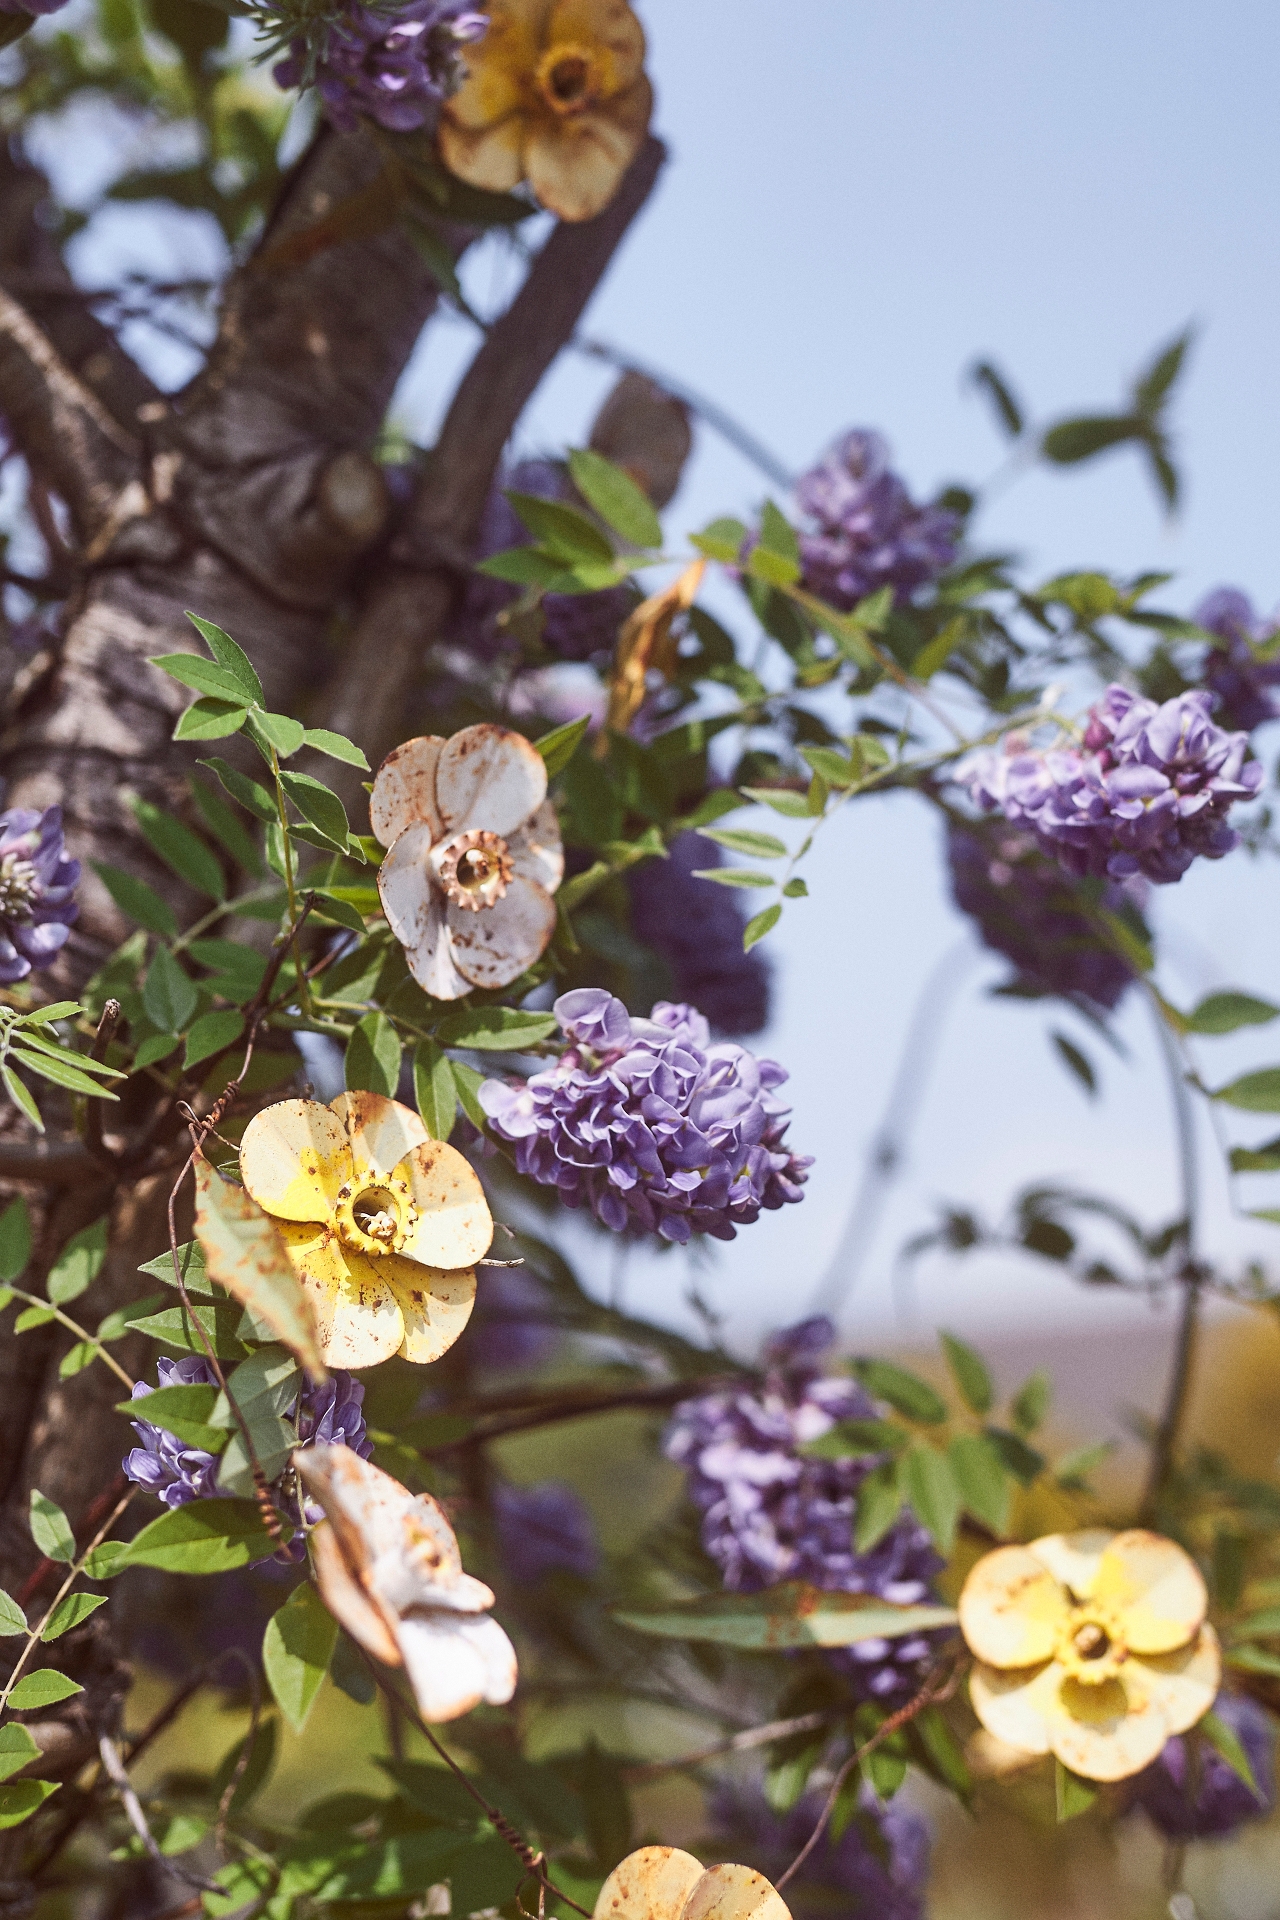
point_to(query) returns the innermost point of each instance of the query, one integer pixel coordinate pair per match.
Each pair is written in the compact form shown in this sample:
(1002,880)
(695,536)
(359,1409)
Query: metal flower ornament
(665,1883)
(388,1568)
(382,1224)
(556,95)
(1091,1646)
(474,857)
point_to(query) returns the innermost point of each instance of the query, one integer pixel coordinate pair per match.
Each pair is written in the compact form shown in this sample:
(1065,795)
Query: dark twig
(555,1408)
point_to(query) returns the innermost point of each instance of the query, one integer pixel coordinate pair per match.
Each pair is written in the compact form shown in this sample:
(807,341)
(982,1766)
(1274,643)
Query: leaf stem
(73,1326)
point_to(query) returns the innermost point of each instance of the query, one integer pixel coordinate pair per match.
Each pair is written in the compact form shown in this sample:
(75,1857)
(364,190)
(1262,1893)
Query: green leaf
(879,1504)
(969,1373)
(232,658)
(495,1029)
(19,1799)
(851,1438)
(791,1615)
(468,1083)
(929,1485)
(1074,440)
(262,1389)
(759,925)
(168,994)
(51,1530)
(1152,389)
(205,1536)
(981,1480)
(226,827)
(1264,1159)
(79,1263)
(157,1046)
(773,568)
(12,1618)
(1253,1092)
(279,730)
(181,850)
(1073,1795)
(61,1069)
(993,383)
(136,899)
(253,797)
(372,1060)
(906,1392)
(559,746)
(1023,1462)
(615,496)
(212,1033)
(318,805)
(778,536)
(434,1089)
(1225,1012)
(244,1253)
(525,567)
(734,876)
(15,1239)
(1032,1402)
(70,1612)
(794,806)
(201,675)
(561,530)
(1254,1660)
(17,1749)
(210,720)
(758,846)
(106,1560)
(1264,1625)
(336,745)
(42,1689)
(296,1650)
(172,1326)
(723,539)
(182,1410)
(1076,1062)
(934,654)
(833,767)
(1074,1467)
(21,1097)
(1227,1742)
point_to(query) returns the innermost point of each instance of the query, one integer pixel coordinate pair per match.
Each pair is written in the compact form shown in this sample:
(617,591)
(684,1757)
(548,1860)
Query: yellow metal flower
(383,1225)
(664,1883)
(1091,1646)
(556,95)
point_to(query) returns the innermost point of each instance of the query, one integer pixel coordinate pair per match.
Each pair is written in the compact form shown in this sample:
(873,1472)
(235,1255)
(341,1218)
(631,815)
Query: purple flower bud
(877,1869)
(696,927)
(513,1327)
(870,533)
(649,1124)
(394,67)
(1242,685)
(37,881)
(544,1529)
(1189,1794)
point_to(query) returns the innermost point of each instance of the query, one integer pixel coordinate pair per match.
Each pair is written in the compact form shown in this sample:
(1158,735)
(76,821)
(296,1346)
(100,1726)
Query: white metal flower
(474,857)
(388,1568)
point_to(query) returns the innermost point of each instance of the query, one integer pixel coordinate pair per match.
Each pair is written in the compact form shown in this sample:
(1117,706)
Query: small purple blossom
(1147,790)
(877,1870)
(1188,1799)
(649,1124)
(769,1513)
(391,65)
(696,927)
(869,532)
(1242,685)
(544,1528)
(1026,909)
(513,1327)
(37,882)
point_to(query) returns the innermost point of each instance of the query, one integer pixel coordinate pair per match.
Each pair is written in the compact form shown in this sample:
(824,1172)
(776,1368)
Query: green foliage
(296,1652)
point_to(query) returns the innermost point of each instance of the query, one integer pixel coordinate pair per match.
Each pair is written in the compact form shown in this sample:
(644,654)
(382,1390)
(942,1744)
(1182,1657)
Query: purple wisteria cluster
(696,926)
(1190,1800)
(1025,908)
(650,1124)
(332,1412)
(544,1528)
(878,1869)
(869,532)
(769,1513)
(1147,789)
(1243,686)
(37,882)
(391,64)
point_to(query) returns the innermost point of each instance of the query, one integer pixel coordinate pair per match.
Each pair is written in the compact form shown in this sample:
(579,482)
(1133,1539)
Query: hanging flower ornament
(665,1883)
(556,95)
(388,1568)
(1091,1646)
(474,857)
(382,1224)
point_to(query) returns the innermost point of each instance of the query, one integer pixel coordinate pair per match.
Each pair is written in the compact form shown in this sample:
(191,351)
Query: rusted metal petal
(293,1159)
(729,1892)
(358,1319)
(489,777)
(404,790)
(435,1304)
(493,948)
(652,1883)
(347,1600)
(644,645)
(536,849)
(381,1132)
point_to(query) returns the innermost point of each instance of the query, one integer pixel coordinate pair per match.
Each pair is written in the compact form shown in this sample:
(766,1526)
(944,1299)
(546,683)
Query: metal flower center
(474,868)
(19,887)
(1091,1645)
(567,78)
(375,1218)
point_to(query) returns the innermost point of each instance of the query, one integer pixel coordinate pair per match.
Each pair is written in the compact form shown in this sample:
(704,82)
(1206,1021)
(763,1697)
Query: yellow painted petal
(734,1893)
(347,1600)
(357,1318)
(1183,1685)
(499,66)
(1155,1587)
(1106,1732)
(1011,1609)
(537,852)
(597,24)
(489,156)
(454,1225)
(436,1305)
(575,165)
(404,790)
(380,1131)
(652,1883)
(495,946)
(293,1159)
(489,777)
(1073,1558)
(1017,1705)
